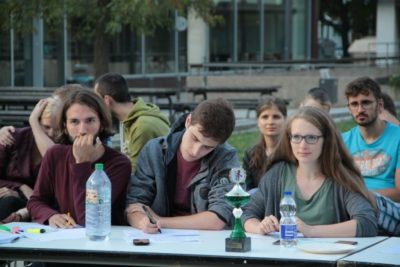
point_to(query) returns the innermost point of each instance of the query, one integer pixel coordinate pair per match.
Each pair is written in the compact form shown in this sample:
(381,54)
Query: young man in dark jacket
(182,178)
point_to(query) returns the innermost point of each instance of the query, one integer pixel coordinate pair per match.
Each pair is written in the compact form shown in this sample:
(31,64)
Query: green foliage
(395,81)
(245,140)
(18,14)
(357,17)
(142,15)
(101,19)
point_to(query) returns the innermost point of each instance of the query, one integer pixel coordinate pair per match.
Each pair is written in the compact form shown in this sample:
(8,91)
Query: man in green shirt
(141,121)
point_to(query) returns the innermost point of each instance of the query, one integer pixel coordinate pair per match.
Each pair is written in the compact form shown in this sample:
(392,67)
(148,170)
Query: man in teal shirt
(375,146)
(374,143)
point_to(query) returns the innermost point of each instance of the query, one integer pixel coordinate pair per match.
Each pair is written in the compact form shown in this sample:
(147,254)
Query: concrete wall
(386,28)
(295,84)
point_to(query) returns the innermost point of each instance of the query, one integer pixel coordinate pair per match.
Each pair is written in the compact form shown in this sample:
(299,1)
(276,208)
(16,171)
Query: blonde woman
(20,162)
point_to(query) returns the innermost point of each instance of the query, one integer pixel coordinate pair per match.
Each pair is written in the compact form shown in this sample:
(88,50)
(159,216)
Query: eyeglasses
(366,104)
(310,139)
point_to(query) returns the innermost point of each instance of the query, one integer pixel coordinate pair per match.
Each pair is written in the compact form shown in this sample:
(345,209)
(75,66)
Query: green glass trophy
(237,197)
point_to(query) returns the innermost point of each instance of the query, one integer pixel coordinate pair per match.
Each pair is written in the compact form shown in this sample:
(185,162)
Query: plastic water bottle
(288,228)
(98,205)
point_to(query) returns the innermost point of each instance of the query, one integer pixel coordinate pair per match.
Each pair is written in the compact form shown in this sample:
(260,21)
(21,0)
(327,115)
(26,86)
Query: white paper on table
(50,234)
(58,234)
(167,236)
(393,250)
(6,238)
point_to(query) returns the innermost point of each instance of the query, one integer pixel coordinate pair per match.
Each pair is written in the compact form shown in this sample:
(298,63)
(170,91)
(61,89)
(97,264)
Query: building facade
(253,31)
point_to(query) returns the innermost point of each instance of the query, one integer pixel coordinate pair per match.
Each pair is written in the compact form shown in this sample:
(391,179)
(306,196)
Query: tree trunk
(101,46)
(345,29)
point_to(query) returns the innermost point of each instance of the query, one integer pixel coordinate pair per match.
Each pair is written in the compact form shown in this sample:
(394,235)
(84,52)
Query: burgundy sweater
(16,161)
(61,185)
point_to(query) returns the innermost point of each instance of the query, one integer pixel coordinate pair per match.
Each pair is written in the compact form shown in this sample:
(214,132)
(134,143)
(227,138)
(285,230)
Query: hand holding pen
(64,221)
(150,217)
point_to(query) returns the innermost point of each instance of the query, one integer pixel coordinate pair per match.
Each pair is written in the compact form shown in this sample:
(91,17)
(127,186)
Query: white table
(210,251)
(384,253)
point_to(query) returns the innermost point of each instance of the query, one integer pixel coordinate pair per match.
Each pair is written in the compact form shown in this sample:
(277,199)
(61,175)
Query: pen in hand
(151,218)
(69,222)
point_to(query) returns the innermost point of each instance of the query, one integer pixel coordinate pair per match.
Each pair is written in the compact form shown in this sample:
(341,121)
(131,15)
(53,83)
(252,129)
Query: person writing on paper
(271,115)
(20,162)
(312,162)
(182,177)
(61,184)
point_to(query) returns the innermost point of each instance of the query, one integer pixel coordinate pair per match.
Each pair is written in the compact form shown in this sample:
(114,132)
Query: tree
(101,19)
(344,16)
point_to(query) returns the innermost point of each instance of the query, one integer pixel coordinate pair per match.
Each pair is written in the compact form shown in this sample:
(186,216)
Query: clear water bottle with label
(98,205)
(288,228)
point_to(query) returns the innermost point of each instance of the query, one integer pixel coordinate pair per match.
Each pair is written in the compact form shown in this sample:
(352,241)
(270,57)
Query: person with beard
(375,146)
(83,124)
(374,143)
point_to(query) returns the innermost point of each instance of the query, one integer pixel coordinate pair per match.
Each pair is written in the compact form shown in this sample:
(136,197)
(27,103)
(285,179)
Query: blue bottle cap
(287,193)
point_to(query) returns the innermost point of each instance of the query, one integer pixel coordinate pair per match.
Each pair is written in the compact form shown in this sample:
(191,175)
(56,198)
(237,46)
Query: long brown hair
(90,99)
(257,153)
(335,160)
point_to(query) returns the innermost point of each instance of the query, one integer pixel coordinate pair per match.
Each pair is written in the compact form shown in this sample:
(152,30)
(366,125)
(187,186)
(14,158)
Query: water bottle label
(288,231)
(91,196)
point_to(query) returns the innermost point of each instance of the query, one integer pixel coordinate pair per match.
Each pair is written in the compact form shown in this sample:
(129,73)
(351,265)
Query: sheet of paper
(6,238)
(392,250)
(59,234)
(50,233)
(167,236)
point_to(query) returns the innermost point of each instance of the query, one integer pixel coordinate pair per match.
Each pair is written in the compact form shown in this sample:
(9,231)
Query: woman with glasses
(311,161)
(271,115)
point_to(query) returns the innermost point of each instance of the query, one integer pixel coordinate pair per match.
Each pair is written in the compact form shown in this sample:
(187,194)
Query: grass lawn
(244,140)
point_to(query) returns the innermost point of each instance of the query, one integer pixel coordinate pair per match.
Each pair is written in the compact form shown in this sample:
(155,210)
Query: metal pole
(309,15)
(65,46)
(143,51)
(261,57)
(37,53)
(12,76)
(235,31)
(176,46)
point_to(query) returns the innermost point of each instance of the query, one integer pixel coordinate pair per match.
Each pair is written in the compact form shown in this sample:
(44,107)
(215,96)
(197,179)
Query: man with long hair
(83,124)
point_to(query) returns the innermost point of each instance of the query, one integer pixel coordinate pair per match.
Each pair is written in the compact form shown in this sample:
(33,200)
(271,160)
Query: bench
(178,108)
(18,118)
(250,104)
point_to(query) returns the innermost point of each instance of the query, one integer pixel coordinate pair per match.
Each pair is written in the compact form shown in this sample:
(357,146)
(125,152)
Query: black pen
(151,219)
